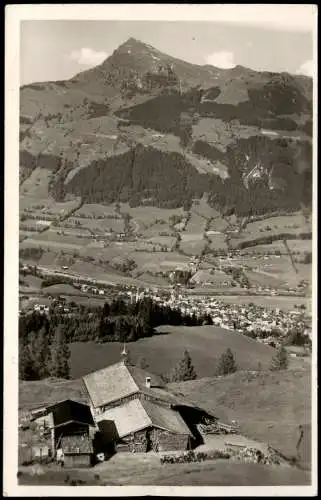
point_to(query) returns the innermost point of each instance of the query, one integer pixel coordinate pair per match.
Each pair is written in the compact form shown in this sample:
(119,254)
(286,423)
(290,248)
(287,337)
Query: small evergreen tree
(207,320)
(280,361)
(26,366)
(226,363)
(58,363)
(184,370)
(105,310)
(38,352)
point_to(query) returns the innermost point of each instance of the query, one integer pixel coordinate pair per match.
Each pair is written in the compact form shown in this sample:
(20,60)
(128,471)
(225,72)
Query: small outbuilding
(62,419)
(77,451)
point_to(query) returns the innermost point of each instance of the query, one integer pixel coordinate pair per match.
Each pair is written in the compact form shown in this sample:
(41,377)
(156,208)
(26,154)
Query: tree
(39,351)
(184,370)
(226,363)
(207,320)
(58,364)
(26,366)
(105,310)
(122,328)
(297,337)
(280,361)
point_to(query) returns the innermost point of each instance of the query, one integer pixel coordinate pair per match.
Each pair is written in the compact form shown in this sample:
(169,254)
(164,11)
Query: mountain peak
(133,40)
(134,44)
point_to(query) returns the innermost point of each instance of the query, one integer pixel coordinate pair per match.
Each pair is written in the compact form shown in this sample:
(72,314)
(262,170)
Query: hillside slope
(240,135)
(268,406)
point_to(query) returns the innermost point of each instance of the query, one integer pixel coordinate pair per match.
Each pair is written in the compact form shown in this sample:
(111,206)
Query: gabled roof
(70,411)
(137,415)
(117,381)
(109,384)
(121,380)
(165,418)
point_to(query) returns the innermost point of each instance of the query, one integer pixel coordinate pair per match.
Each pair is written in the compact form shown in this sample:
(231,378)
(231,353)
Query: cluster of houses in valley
(265,324)
(92,289)
(249,318)
(43,307)
(128,410)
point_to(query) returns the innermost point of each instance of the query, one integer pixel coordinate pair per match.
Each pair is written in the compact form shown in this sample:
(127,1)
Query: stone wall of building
(163,440)
(154,439)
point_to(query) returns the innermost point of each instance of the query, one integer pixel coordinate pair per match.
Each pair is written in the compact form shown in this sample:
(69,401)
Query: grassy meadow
(205,345)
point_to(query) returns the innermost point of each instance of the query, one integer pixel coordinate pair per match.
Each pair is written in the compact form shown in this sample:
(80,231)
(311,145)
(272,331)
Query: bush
(307,258)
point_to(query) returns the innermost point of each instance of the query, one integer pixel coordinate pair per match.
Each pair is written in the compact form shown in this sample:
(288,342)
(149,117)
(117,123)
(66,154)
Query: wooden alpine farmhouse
(134,410)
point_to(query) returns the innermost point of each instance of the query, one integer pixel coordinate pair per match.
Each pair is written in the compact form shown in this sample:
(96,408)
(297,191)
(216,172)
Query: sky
(59,49)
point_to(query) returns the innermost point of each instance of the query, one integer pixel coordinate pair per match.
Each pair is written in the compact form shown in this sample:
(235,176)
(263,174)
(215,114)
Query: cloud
(223,59)
(306,68)
(88,57)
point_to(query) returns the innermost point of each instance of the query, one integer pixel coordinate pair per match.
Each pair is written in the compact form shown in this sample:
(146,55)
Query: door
(149,443)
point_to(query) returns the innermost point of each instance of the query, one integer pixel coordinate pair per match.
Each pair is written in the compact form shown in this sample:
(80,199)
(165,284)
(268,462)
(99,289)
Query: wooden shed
(65,418)
(77,451)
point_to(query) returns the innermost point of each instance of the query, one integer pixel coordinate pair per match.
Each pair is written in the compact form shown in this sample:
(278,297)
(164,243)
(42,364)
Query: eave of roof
(70,422)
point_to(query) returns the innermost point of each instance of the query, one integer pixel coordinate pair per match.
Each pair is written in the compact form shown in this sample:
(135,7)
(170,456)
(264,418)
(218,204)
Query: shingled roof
(117,381)
(120,380)
(165,418)
(137,415)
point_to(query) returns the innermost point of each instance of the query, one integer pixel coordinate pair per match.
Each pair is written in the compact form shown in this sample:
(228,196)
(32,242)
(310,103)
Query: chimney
(148,382)
(124,355)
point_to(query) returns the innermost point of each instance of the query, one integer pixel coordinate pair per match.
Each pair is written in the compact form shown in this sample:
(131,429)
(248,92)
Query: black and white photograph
(160,250)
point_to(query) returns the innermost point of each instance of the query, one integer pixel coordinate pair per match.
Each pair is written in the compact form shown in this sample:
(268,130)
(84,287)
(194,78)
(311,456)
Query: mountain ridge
(132,40)
(141,96)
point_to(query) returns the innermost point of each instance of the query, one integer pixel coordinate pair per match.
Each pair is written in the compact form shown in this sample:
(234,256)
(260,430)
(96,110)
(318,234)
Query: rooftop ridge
(120,363)
(131,376)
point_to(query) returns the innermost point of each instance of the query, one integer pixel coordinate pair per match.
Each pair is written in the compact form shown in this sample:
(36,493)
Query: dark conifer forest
(44,341)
